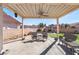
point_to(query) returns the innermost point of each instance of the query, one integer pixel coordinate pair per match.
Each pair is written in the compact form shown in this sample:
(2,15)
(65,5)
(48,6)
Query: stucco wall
(10,22)
(6,25)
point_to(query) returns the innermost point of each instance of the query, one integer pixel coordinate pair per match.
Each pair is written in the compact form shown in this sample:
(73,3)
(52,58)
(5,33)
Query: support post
(23,29)
(58,25)
(58,41)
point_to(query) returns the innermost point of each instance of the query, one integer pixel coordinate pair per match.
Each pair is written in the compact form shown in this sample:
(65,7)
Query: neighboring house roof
(10,20)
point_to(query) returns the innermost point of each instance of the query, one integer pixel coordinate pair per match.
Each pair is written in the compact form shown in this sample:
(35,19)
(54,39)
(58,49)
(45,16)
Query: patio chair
(34,35)
(45,36)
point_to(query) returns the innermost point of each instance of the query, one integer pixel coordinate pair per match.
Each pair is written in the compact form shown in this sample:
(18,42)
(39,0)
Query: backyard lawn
(55,35)
(61,34)
(77,40)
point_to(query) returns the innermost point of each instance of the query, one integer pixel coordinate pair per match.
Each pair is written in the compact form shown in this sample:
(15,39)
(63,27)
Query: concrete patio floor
(32,48)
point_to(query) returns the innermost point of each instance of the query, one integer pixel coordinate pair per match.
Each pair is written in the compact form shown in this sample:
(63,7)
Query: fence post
(1,28)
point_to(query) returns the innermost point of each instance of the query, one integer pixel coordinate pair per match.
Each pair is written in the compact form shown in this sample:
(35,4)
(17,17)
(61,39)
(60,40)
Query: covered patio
(41,10)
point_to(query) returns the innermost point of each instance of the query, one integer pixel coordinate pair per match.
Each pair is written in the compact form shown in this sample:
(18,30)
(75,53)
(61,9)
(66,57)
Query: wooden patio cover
(50,10)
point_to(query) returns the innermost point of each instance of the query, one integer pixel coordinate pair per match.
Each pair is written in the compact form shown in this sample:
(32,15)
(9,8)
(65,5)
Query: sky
(70,18)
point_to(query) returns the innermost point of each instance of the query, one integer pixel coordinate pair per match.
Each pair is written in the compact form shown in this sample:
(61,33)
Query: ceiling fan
(42,13)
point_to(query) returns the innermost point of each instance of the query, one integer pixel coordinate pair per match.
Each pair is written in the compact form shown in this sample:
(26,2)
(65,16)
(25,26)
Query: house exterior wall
(9,22)
(9,26)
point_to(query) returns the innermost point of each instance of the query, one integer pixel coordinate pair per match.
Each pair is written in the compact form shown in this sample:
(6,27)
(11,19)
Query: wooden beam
(29,9)
(53,11)
(59,9)
(19,7)
(26,9)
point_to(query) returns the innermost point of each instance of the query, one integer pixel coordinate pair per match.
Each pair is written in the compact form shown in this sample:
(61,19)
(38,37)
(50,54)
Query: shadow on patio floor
(31,41)
(49,47)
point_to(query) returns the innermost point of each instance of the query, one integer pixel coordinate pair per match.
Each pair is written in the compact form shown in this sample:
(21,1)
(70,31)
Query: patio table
(39,36)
